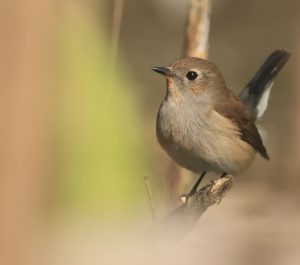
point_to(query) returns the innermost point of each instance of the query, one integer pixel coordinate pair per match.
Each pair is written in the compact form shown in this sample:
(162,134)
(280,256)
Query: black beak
(162,70)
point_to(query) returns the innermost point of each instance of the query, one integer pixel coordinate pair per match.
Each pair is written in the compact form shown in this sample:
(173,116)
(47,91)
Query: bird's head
(191,77)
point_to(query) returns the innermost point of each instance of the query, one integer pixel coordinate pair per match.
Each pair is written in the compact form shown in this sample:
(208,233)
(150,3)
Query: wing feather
(232,108)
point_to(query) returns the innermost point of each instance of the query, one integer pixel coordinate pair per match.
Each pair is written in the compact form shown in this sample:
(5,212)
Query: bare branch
(183,219)
(197,29)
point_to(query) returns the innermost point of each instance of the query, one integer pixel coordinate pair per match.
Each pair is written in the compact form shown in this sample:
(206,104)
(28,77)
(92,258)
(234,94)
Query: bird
(203,126)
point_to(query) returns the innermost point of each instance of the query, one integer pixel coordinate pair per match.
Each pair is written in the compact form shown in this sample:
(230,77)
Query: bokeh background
(78,107)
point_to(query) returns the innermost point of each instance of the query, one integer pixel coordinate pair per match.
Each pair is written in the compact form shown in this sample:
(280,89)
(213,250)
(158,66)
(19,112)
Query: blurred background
(78,106)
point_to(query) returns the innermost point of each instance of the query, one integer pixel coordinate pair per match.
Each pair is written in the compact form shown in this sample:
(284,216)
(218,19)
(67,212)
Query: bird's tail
(256,94)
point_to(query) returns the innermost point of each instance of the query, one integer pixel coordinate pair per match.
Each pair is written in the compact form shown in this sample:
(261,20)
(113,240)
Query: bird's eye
(191,75)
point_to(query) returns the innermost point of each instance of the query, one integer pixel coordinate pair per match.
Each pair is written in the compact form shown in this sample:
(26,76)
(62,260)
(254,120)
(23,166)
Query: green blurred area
(100,152)
(106,136)
(78,135)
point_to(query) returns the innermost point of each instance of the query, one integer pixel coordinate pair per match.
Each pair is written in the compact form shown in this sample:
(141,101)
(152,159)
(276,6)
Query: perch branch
(183,219)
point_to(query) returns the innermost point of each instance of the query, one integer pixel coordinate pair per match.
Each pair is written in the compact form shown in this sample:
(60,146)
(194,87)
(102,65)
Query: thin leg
(196,185)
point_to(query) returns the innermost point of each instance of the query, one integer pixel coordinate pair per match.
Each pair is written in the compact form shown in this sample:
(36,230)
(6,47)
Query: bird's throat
(173,94)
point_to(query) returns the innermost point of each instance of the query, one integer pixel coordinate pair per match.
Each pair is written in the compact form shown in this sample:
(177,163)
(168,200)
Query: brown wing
(231,107)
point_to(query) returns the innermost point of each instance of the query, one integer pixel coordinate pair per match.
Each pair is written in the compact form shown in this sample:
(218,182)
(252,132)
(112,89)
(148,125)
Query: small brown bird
(203,125)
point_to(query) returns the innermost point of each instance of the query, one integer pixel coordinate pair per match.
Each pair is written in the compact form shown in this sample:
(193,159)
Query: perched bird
(203,125)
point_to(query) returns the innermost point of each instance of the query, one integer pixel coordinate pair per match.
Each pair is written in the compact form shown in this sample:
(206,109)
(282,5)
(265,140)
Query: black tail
(252,94)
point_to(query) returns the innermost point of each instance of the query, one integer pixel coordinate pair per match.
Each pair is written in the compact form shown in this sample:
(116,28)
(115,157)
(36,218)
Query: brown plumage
(230,106)
(202,125)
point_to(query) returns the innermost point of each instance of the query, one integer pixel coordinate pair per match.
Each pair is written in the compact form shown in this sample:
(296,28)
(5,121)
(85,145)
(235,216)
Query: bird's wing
(232,108)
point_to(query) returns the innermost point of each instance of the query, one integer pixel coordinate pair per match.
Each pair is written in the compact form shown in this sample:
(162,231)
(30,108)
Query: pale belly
(203,142)
(188,160)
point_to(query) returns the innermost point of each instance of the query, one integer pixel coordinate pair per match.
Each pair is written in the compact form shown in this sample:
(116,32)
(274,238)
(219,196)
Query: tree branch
(183,219)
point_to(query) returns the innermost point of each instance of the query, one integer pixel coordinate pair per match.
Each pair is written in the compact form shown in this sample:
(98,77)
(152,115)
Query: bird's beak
(162,70)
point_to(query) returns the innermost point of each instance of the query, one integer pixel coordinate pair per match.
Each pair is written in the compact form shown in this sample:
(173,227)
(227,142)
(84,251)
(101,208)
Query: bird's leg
(185,197)
(196,185)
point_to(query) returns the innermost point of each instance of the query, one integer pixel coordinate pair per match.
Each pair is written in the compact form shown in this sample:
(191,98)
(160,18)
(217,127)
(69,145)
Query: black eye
(191,75)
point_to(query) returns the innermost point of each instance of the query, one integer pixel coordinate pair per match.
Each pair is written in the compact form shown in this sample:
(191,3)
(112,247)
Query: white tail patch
(262,132)
(263,102)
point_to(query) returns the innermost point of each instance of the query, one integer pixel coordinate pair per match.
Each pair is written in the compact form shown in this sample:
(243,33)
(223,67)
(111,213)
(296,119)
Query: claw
(184,198)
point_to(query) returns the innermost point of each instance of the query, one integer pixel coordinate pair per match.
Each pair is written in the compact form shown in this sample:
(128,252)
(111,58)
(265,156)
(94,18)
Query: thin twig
(116,29)
(150,197)
(115,32)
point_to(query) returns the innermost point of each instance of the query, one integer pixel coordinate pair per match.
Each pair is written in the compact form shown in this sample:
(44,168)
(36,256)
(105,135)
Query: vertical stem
(150,197)
(197,29)
(116,29)
(195,45)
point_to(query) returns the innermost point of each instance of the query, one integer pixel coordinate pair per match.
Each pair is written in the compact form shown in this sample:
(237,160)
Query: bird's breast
(200,139)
